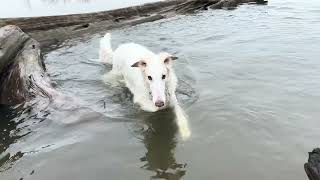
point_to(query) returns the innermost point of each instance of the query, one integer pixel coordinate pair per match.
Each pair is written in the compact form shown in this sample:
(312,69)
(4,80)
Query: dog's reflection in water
(159,138)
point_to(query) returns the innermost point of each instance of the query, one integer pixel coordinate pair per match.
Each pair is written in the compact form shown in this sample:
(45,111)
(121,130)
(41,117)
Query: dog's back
(123,59)
(127,54)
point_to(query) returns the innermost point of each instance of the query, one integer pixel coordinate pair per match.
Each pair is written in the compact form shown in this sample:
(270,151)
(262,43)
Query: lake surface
(249,82)
(31,8)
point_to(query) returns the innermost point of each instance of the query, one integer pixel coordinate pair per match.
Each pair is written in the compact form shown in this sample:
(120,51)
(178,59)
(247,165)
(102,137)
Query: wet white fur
(122,60)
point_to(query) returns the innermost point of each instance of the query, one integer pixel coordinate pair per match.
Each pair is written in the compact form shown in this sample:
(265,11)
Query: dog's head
(156,72)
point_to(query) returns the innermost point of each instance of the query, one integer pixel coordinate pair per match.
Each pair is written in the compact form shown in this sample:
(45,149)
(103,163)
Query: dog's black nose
(159,103)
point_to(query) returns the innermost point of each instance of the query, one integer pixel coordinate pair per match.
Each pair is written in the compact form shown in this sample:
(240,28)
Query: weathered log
(11,40)
(230,4)
(25,88)
(312,167)
(50,39)
(22,70)
(192,6)
(54,30)
(28,24)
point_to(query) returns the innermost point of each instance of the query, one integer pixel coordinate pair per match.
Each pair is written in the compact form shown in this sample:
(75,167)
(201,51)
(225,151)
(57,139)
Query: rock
(312,167)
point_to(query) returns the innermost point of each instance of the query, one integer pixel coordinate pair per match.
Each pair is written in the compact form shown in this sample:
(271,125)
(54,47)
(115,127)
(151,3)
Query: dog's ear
(166,57)
(139,64)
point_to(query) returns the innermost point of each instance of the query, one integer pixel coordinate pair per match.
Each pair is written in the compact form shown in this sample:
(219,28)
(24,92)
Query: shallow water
(31,8)
(249,82)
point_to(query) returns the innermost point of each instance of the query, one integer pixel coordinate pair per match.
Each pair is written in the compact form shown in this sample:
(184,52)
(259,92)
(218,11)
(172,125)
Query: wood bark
(22,71)
(312,167)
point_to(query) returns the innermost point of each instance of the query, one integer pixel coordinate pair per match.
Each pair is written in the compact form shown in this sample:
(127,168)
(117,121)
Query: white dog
(150,77)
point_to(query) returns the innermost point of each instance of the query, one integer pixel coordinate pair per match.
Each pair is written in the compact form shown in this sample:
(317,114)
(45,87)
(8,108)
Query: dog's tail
(105,53)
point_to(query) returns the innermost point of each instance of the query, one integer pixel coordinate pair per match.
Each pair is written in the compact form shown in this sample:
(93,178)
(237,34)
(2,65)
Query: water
(31,8)
(249,82)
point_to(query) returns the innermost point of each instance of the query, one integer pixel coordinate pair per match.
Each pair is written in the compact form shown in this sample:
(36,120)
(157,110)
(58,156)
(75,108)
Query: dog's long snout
(159,103)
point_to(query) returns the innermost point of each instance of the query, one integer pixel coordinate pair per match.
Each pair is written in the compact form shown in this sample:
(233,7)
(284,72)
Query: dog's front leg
(144,103)
(182,122)
(113,78)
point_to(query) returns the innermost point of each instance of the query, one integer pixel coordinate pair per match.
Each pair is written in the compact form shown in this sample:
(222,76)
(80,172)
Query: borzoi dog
(150,77)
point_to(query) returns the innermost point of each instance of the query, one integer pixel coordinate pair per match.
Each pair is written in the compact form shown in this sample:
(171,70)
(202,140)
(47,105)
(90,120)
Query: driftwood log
(162,7)
(53,30)
(26,89)
(22,71)
(312,167)
(24,82)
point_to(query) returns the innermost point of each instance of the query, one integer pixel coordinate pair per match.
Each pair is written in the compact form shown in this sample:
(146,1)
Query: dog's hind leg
(113,78)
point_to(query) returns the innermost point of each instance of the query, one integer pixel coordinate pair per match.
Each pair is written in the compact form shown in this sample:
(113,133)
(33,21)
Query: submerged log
(312,167)
(53,30)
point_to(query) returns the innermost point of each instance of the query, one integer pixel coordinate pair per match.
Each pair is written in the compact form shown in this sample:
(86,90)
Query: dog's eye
(163,76)
(150,78)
